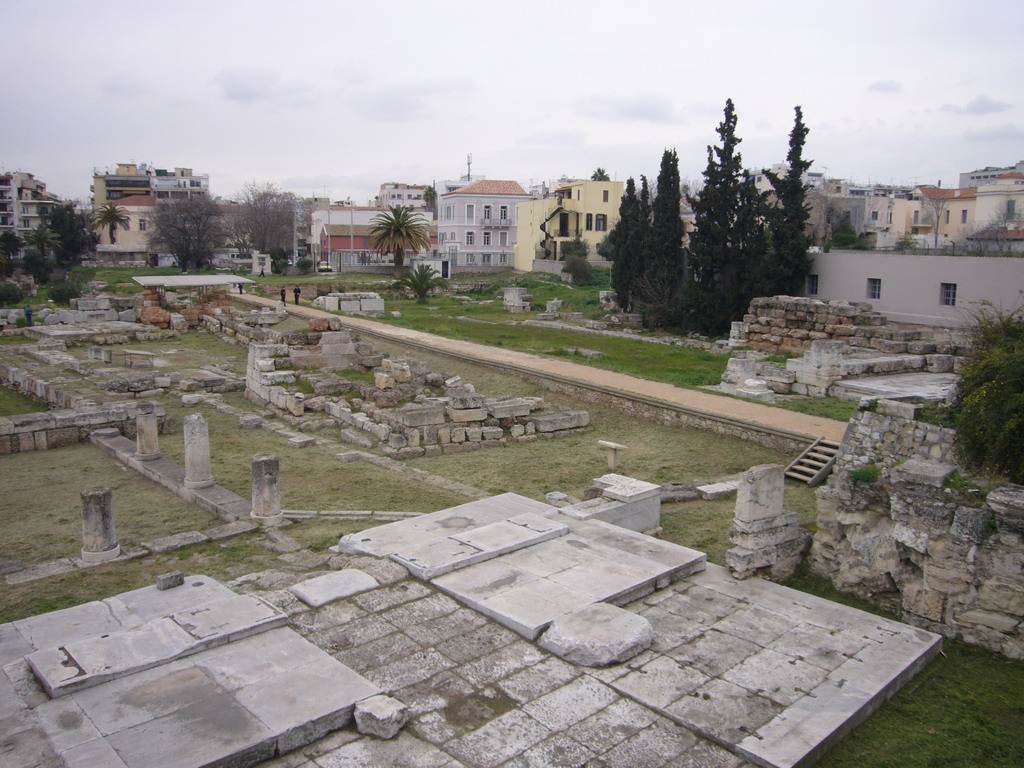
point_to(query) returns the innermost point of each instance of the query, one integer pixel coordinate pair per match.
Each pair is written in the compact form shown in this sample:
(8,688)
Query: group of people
(296,291)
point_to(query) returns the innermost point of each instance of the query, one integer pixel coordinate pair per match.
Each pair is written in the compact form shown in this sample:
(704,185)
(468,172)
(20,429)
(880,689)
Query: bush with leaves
(305,266)
(36,264)
(990,401)
(63,292)
(10,294)
(578,269)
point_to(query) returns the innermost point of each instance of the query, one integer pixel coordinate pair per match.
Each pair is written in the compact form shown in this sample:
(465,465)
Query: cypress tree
(622,238)
(729,242)
(789,261)
(663,248)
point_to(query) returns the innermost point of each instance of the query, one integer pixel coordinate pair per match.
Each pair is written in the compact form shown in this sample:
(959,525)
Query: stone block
(919,472)
(971,524)
(555,422)
(1008,504)
(598,635)
(997,621)
(302,442)
(326,589)
(356,437)
(380,716)
(170,580)
(466,400)
(464,415)
(413,415)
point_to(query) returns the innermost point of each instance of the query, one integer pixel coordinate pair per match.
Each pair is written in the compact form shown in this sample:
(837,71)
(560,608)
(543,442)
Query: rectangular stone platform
(524,563)
(256,691)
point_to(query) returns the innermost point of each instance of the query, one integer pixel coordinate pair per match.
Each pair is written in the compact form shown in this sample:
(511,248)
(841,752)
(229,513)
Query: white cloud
(260,86)
(1006,132)
(886,86)
(979,105)
(639,107)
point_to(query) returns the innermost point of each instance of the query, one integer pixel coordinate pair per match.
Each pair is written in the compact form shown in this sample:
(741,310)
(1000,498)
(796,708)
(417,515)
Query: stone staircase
(814,464)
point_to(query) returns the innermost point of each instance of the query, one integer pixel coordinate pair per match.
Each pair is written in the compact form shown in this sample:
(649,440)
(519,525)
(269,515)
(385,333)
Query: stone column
(198,471)
(99,543)
(147,440)
(266,489)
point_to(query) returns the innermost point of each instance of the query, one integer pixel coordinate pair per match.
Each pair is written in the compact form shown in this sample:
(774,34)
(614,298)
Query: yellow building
(586,209)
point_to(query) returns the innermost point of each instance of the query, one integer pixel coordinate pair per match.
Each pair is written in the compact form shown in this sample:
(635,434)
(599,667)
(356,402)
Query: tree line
(745,243)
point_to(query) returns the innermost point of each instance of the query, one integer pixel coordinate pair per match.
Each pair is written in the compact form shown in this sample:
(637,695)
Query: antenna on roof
(469,167)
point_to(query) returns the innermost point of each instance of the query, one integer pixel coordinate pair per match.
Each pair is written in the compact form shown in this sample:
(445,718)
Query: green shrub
(63,292)
(305,266)
(868,474)
(10,294)
(579,269)
(990,402)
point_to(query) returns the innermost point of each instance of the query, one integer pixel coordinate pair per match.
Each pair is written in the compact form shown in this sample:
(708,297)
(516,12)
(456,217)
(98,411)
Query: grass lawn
(12,403)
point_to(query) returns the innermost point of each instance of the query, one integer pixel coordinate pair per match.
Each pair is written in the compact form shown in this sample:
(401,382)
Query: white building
(988,175)
(24,202)
(476,224)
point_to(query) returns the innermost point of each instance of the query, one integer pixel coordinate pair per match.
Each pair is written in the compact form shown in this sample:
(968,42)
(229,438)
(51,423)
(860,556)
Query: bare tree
(267,216)
(188,229)
(933,202)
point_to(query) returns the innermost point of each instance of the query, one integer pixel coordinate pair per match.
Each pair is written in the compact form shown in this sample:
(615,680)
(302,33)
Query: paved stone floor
(740,673)
(927,386)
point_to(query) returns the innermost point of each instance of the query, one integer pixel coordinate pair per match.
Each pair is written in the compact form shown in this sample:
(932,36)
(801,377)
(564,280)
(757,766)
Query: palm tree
(111,216)
(420,282)
(600,175)
(42,239)
(398,230)
(430,199)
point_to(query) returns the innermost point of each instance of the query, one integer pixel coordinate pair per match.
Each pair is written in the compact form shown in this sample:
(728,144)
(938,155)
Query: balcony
(491,221)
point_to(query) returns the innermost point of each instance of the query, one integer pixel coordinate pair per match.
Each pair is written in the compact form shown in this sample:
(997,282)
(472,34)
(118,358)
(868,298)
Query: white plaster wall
(910,283)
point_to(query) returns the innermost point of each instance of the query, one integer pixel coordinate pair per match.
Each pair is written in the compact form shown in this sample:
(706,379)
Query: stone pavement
(699,401)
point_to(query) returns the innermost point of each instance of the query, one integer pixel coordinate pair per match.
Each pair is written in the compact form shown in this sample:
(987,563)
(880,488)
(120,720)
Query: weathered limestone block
(414,415)
(598,635)
(466,415)
(919,472)
(553,422)
(266,489)
(1008,504)
(380,716)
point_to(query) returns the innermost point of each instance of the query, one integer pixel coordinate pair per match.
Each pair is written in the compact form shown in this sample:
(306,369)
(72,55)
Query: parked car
(323,266)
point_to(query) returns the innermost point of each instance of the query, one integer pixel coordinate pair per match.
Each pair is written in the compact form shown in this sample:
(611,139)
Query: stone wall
(56,429)
(789,323)
(893,527)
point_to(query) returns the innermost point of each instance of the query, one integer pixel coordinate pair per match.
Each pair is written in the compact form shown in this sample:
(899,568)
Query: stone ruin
(825,366)
(353,303)
(893,527)
(790,323)
(517,300)
(766,538)
(91,311)
(408,411)
(170,310)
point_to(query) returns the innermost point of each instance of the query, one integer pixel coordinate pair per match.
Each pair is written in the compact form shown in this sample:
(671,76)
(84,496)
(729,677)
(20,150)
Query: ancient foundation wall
(789,323)
(59,428)
(897,525)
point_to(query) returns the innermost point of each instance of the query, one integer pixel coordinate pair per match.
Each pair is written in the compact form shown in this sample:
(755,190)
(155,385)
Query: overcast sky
(338,96)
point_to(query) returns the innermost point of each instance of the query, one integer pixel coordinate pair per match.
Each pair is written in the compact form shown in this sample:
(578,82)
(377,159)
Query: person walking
(28,314)
(284,297)
(298,292)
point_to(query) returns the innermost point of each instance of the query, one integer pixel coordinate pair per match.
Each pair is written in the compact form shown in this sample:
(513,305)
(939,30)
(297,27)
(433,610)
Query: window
(503,258)
(470,212)
(142,225)
(601,222)
(577,194)
(503,213)
(503,238)
(604,195)
(449,212)
(471,258)
(590,221)
(444,235)
(485,259)
(947,217)
(487,212)
(917,216)
(812,285)
(1011,208)
(874,215)
(874,288)
(487,238)
(888,219)
(469,238)
(963,216)
(947,294)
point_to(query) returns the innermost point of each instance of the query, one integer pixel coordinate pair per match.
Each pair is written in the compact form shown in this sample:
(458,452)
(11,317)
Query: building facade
(988,175)
(24,203)
(578,208)
(131,242)
(476,224)
(131,179)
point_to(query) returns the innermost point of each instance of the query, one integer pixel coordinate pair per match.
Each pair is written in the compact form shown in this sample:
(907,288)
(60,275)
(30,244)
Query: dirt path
(706,402)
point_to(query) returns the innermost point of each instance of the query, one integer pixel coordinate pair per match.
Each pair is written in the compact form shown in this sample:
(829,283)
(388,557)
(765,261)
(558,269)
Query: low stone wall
(56,429)
(355,303)
(789,323)
(891,527)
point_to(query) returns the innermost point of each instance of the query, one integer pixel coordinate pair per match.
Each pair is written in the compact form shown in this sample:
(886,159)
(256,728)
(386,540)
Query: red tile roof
(1011,175)
(490,187)
(937,193)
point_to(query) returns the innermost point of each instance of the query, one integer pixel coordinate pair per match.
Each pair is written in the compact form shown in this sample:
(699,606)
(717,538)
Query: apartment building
(130,179)
(24,202)
(476,224)
(576,208)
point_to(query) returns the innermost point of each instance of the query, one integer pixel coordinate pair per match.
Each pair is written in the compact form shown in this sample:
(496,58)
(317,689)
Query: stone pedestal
(99,542)
(765,537)
(147,440)
(198,470)
(266,489)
